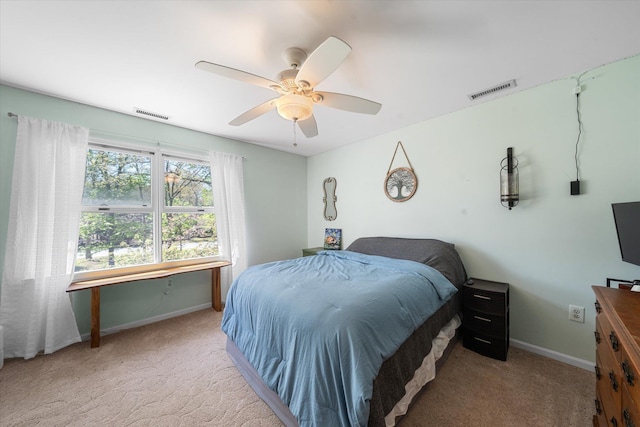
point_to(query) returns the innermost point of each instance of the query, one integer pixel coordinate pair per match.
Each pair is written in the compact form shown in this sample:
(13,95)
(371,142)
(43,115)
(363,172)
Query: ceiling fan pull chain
(295,143)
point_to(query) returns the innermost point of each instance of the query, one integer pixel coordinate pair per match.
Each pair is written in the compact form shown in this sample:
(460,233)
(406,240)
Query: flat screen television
(627,219)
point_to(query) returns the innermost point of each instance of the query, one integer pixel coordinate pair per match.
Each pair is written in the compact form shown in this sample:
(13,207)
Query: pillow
(435,253)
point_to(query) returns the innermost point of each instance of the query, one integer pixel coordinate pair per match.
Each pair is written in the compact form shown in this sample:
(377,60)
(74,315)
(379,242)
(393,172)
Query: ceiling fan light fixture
(294,107)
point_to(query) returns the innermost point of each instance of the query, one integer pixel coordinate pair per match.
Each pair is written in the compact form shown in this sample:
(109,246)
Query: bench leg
(216,297)
(95,317)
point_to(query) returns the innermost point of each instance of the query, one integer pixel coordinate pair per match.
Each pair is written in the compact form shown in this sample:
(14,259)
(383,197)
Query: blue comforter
(318,328)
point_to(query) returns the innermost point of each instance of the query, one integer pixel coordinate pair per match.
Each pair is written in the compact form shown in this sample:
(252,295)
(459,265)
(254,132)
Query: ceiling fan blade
(232,73)
(309,127)
(253,113)
(322,62)
(349,103)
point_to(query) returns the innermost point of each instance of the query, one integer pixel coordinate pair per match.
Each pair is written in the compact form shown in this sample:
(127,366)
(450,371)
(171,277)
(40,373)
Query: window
(141,208)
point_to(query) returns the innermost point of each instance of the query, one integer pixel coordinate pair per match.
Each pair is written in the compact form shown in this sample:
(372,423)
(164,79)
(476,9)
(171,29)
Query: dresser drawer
(630,412)
(617,357)
(610,402)
(610,382)
(600,418)
(608,336)
(629,373)
(487,323)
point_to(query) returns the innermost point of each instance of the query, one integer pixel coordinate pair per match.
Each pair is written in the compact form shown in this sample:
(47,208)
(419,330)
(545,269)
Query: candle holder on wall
(509,193)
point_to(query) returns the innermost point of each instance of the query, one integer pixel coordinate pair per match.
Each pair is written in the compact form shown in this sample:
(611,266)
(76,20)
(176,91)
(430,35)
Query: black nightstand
(485,317)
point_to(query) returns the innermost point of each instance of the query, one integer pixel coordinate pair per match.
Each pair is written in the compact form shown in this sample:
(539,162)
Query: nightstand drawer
(484,301)
(489,324)
(486,344)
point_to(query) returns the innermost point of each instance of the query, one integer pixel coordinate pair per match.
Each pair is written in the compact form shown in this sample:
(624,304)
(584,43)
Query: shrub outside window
(144,208)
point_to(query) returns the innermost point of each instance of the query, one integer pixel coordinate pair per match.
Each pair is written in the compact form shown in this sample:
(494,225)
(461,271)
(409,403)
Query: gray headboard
(435,253)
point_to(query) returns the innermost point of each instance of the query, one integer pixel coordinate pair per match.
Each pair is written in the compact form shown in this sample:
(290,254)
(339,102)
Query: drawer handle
(481,340)
(627,418)
(598,307)
(615,344)
(482,297)
(598,374)
(628,372)
(614,381)
(484,319)
(598,407)
(597,335)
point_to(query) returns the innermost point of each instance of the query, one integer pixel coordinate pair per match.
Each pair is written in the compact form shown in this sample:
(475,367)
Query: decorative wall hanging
(333,238)
(401,183)
(329,187)
(509,193)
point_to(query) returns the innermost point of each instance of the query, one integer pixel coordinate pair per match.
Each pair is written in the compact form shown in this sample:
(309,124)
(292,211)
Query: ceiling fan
(296,86)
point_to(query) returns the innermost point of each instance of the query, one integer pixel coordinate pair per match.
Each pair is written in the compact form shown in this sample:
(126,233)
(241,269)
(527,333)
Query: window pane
(109,240)
(115,178)
(187,184)
(188,235)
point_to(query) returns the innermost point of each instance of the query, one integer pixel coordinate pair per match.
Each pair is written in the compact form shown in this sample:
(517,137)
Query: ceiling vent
(150,114)
(497,88)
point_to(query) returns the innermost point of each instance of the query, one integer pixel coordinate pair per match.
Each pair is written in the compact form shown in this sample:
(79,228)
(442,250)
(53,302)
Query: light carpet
(177,373)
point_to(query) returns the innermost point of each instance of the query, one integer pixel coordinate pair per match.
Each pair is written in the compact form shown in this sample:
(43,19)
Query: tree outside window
(122,226)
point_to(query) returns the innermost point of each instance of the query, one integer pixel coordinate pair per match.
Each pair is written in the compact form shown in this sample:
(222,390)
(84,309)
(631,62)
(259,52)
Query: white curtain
(42,238)
(228,205)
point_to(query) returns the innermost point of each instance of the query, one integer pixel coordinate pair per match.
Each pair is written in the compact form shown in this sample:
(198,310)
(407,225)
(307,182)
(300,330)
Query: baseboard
(148,320)
(561,357)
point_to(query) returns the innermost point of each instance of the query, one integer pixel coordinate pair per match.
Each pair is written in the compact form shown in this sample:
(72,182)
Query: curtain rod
(10,114)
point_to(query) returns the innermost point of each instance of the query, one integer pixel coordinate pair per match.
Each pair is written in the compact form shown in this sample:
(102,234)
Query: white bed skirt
(426,372)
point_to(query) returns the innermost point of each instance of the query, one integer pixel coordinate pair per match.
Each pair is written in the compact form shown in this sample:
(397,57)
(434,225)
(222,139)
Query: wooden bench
(96,284)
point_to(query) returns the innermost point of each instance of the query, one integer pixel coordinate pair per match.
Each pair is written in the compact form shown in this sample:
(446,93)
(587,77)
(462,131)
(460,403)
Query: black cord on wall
(575,185)
(579,135)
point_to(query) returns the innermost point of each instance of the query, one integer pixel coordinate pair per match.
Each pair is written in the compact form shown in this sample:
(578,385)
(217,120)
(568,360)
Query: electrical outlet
(576,313)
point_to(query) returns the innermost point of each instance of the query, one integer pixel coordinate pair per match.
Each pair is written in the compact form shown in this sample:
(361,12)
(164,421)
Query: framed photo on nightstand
(332,238)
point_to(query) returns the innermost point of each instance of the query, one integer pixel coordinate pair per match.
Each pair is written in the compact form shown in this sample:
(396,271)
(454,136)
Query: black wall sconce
(509,194)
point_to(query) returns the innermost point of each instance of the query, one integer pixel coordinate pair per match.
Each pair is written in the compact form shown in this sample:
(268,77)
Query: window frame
(157,208)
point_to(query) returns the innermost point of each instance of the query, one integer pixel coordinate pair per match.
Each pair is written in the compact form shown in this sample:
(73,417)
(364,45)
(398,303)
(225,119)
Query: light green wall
(276,225)
(553,246)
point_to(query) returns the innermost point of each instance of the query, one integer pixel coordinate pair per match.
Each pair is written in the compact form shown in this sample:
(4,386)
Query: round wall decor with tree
(401,183)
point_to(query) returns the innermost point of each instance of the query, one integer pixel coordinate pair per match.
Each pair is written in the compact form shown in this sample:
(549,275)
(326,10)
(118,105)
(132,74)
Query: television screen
(627,219)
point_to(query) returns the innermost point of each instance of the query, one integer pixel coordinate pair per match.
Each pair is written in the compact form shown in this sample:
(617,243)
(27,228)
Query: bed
(345,338)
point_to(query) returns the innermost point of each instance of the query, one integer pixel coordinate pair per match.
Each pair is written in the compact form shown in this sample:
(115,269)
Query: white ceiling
(419,59)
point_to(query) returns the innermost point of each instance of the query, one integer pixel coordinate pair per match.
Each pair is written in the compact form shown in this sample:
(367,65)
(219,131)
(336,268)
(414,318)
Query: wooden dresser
(617,358)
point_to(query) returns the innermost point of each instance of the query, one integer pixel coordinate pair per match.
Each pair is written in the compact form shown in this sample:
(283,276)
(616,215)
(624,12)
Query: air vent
(150,114)
(498,88)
